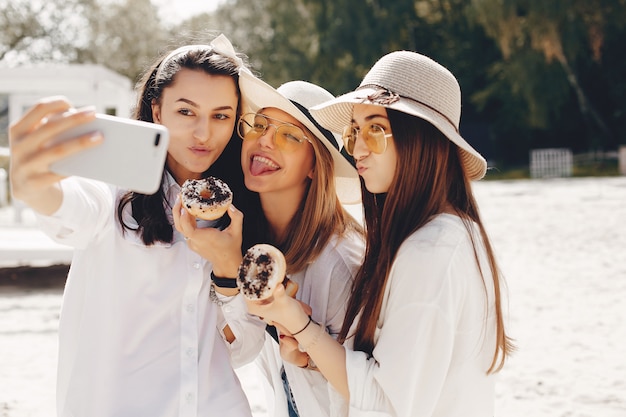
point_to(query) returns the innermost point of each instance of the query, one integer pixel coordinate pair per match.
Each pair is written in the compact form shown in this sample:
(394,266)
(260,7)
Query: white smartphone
(132,155)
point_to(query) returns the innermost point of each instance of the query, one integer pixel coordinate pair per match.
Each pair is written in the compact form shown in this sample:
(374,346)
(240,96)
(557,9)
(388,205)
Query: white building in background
(83,85)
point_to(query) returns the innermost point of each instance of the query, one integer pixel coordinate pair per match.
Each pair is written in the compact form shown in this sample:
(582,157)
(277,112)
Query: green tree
(122,35)
(533,74)
(279,37)
(37,31)
(570,38)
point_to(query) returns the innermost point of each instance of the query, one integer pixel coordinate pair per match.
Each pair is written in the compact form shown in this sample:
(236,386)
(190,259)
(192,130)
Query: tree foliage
(533,73)
(37,30)
(574,36)
(122,35)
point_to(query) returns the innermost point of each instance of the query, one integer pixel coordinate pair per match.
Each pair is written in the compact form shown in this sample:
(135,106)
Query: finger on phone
(58,124)
(72,146)
(38,113)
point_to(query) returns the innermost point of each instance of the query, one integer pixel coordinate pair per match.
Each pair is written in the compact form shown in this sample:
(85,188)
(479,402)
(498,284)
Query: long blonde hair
(428,176)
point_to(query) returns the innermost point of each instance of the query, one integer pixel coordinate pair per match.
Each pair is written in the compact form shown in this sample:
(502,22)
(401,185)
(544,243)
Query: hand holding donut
(221,247)
(262,282)
(262,269)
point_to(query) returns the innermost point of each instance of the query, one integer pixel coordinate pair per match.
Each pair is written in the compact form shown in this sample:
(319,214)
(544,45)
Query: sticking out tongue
(260,167)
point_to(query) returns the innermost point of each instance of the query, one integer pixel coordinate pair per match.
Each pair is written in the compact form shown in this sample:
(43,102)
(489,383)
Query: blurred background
(544,90)
(534,74)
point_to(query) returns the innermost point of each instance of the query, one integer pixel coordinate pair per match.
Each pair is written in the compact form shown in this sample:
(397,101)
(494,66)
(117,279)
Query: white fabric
(138,335)
(325,285)
(433,344)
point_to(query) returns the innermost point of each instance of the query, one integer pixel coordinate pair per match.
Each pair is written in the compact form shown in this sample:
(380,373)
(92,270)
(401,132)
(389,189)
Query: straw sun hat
(294,98)
(415,85)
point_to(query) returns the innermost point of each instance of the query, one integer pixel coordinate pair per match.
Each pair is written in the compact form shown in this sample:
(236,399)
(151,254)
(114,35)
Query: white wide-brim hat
(416,85)
(294,98)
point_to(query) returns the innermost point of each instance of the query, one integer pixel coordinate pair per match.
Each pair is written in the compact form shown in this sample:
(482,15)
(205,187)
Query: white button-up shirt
(138,335)
(435,336)
(325,285)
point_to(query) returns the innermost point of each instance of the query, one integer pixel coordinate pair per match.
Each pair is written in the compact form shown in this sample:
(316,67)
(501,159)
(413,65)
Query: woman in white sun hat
(301,179)
(424,331)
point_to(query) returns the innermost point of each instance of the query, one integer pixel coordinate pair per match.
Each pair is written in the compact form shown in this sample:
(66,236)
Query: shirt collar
(171,189)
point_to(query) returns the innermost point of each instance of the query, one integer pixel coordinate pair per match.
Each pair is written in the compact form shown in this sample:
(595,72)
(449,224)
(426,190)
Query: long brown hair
(320,216)
(428,177)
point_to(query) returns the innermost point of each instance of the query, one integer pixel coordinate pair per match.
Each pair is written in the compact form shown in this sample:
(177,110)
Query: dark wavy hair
(150,211)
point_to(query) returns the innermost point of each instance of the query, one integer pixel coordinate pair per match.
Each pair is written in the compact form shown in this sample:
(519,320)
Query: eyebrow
(372,117)
(194,104)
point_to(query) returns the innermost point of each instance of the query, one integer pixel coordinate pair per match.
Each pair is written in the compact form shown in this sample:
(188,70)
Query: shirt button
(190,308)
(190,351)
(196,265)
(189,397)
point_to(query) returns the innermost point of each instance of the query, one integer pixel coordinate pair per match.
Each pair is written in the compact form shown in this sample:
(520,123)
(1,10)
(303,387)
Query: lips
(199,150)
(260,165)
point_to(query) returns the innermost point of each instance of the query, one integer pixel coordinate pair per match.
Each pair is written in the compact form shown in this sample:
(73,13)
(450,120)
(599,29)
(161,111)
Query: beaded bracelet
(223,282)
(214,297)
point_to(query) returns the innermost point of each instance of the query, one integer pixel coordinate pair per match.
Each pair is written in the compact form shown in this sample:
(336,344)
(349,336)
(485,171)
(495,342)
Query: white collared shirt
(325,285)
(138,334)
(435,336)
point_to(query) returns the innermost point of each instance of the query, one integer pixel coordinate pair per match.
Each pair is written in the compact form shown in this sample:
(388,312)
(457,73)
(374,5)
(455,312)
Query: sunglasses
(374,136)
(287,137)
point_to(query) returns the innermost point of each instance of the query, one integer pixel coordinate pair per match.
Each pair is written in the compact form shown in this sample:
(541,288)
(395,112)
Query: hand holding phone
(132,155)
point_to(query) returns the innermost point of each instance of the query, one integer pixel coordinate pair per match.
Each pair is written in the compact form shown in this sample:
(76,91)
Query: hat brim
(335,114)
(257,94)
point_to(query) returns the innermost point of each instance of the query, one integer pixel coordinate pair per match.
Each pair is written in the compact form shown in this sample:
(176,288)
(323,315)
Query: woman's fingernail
(85,110)
(96,137)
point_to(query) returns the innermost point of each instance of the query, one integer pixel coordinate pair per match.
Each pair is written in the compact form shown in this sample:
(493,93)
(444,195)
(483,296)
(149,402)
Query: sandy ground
(562,246)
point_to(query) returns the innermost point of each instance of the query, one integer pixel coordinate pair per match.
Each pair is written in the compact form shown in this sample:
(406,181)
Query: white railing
(551,163)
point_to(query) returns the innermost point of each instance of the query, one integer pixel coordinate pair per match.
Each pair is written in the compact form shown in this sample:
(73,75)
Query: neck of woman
(279,209)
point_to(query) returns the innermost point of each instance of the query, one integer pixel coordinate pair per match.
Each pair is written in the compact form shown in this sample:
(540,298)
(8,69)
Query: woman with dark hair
(138,334)
(424,330)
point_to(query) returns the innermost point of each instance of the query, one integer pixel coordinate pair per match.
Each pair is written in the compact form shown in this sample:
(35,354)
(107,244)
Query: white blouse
(436,332)
(325,285)
(138,335)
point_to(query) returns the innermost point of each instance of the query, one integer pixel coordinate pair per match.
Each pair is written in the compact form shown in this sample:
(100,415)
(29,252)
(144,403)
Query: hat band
(387,100)
(327,133)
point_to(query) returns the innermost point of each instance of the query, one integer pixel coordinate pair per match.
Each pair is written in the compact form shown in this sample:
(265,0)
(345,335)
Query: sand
(562,247)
